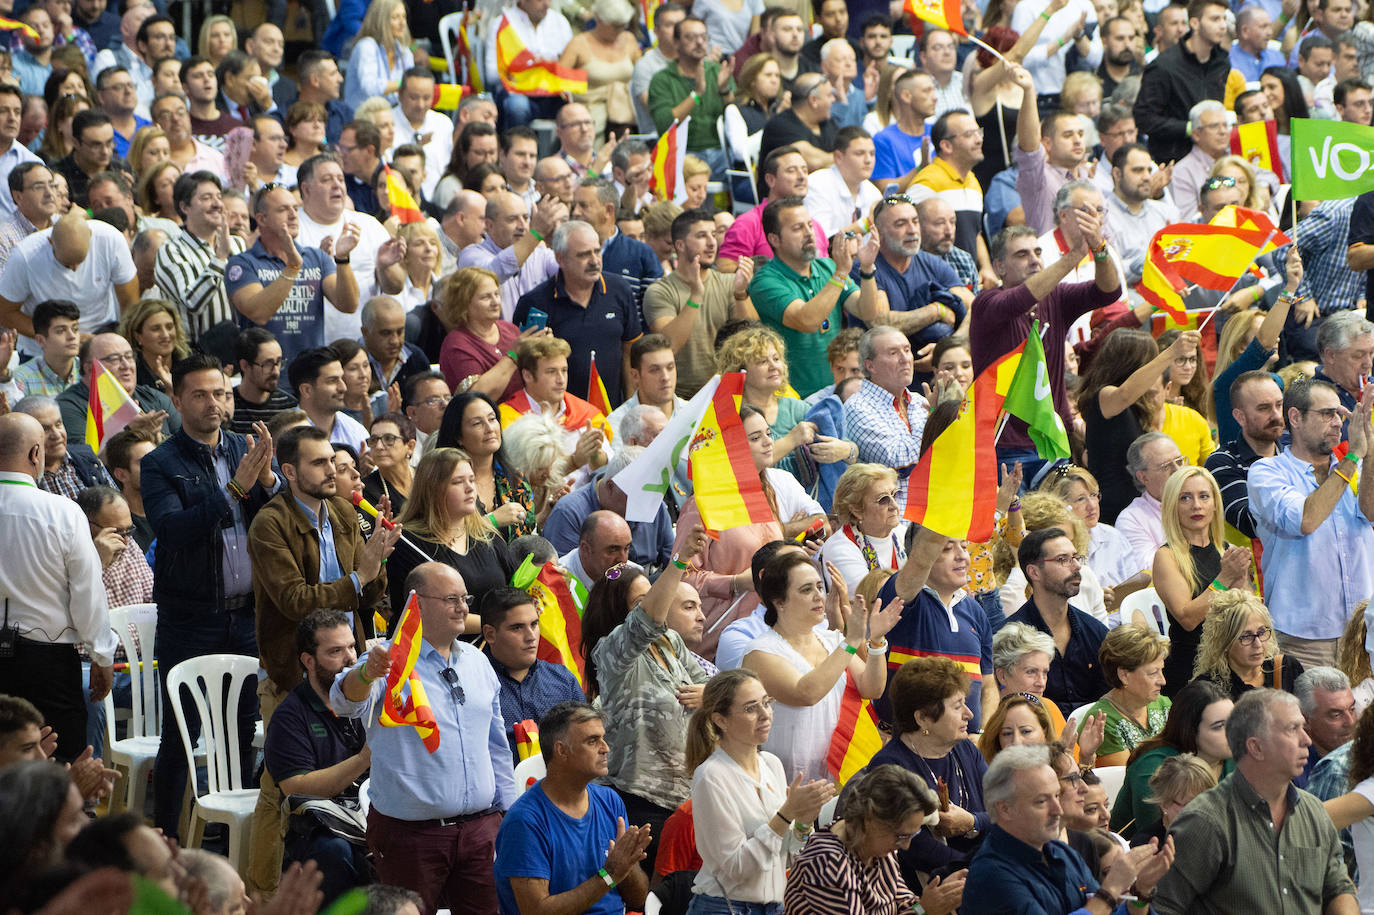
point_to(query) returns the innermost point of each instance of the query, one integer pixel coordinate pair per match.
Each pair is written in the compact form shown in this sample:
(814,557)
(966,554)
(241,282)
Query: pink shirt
(745,237)
(464,355)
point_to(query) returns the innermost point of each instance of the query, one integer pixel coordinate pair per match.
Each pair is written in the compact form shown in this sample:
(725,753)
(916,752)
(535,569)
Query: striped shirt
(964,265)
(189,273)
(12,232)
(829,879)
(247,412)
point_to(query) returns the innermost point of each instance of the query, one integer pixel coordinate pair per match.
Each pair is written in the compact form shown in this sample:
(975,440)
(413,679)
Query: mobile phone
(536,318)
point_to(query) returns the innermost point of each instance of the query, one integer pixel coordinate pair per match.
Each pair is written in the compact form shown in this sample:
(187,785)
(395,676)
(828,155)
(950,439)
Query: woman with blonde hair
(381,55)
(1082,95)
(1239,648)
(1175,783)
(148,147)
(155,191)
(1254,191)
(872,532)
(218,36)
(608,52)
(871,584)
(1191,565)
(1020,718)
(696,174)
(479,352)
(153,328)
(377,112)
(1132,659)
(1040,510)
(760,91)
(534,443)
(1021,657)
(421,263)
(1352,658)
(441,519)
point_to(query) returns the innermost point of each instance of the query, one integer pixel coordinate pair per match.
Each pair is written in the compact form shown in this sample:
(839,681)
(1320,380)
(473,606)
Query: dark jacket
(74,402)
(286,578)
(1171,85)
(188,510)
(88,467)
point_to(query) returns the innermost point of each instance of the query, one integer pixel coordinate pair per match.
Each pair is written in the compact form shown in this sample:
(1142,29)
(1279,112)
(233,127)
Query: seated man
(21,731)
(564,843)
(883,419)
(543,363)
(1151,459)
(651,543)
(311,751)
(602,542)
(529,686)
(158,416)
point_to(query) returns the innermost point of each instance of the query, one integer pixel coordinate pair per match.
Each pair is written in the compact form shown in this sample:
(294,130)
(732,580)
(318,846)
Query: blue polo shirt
(926,279)
(609,319)
(298,324)
(1075,676)
(633,261)
(305,736)
(1013,877)
(651,542)
(926,629)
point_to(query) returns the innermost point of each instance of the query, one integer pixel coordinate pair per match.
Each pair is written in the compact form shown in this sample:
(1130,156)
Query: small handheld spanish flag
(403,205)
(400,709)
(526,739)
(945,14)
(596,390)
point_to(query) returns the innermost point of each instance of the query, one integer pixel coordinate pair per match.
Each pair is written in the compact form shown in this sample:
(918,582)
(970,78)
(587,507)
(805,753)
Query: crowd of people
(297,285)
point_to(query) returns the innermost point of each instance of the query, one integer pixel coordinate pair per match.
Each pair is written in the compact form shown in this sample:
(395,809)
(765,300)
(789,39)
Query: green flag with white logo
(1332,160)
(1030,398)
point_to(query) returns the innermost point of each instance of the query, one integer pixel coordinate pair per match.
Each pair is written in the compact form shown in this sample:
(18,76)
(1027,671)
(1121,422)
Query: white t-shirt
(792,499)
(347,431)
(1362,834)
(363,260)
(32,275)
(801,735)
(437,150)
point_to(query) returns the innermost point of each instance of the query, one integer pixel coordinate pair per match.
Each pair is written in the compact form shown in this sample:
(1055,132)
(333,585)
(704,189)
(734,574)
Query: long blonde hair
(1352,658)
(1174,538)
(377,25)
(426,512)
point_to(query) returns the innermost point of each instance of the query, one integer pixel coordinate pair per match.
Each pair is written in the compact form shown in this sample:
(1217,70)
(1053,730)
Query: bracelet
(1350,456)
(1107,897)
(610,881)
(801,830)
(236,490)
(364,677)
(1060,42)
(1216,583)
(1283,18)
(837,282)
(535,234)
(679,563)
(691,304)
(1337,472)
(1046,15)
(879,647)
(1140,903)
(491,518)
(513,357)
(1015,505)
(852,649)
(864,277)
(341,261)
(696,98)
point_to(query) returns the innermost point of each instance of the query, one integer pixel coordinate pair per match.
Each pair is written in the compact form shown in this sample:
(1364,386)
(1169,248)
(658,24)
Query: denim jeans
(177,641)
(715,905)
(991,602)
(1030,462)
(518,110)
(121,692)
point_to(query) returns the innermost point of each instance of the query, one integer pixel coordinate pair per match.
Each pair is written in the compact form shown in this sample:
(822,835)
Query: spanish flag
(109,408)
(398,709)
(665,180)
(942,13)
(1258,144)
(523,74)
(1160,284)
(953,489)
(447,96)
(466,58)
(596,390)
(403,205)
(728,490)
(1212,256)
(560,617)
(856,737)
(14,25)
(526,739)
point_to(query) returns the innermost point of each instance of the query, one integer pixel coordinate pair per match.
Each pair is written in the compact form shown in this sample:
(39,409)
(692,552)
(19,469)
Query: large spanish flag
(1213,256)
(943,13)
(403,205)
(523,74)
(670,152)
(109,408)
(596,390)
(560,618)
(953,489)
(728,491)
(398,708)
(856,737)
(1258,144)
(1160,284)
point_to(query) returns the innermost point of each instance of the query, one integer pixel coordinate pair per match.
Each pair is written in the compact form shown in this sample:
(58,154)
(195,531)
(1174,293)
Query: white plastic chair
(136,752)
(529,771)
(903,46)
(365,796)
(217,704)
(1145,608)
(1112,778)
(448,27)
(828,812)
(739,147)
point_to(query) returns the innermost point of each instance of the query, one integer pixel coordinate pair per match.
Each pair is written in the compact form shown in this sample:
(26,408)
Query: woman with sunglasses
(1196,725)
(1239,648)
(872,532)
(1191,566)
(851,865)
(390,444)
(649,683)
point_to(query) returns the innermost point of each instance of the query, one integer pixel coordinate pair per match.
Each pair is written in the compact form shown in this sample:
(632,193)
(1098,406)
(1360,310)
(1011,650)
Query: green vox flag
(1332,160)
(1029,398)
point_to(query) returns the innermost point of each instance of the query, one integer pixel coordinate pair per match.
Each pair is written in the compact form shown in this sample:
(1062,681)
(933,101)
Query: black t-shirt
(485,566)
(305,736)
(785,128)
(1362,232)
(1107,441)
(1183,643)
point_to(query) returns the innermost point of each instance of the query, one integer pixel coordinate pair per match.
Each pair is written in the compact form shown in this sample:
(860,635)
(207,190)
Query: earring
(925,732)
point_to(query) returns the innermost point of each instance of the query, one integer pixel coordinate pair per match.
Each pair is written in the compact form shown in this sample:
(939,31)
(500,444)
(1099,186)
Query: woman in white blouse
(1110,557)
(872,531)
(742,801)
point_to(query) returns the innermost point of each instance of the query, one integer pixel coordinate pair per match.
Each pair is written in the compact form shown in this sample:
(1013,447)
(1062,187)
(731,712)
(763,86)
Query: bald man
(78,260)
(553,177)
(158,419)
(520,260)
(603,542)
(55,600)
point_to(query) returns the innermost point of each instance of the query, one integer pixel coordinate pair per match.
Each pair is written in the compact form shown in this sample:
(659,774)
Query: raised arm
(1116,399)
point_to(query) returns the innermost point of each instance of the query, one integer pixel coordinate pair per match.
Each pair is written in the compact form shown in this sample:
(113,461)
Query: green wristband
(850,648)
(537,236)
(1216,583)
(691,304)
(1046,15)
(513,358)
(367,681)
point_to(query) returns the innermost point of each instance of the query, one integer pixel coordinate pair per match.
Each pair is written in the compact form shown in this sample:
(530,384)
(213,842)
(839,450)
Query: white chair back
(828,811)
(1112,778)
(136,627)
(1145,608)
(529,771)
(448,27)
(903,46)
(217,703)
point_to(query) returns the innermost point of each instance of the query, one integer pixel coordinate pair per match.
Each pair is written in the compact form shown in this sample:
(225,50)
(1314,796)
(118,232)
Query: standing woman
(742,800)
(608,52)
(650,683)
(1249,341)
(471,424)
(390,444)
(1286,98)
(218,36)
(728,22)
(381,55)
(1191,565)
(153,328)
(802,669)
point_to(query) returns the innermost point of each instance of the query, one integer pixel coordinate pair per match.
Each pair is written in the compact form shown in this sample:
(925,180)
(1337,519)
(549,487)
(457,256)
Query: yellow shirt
(1189,431)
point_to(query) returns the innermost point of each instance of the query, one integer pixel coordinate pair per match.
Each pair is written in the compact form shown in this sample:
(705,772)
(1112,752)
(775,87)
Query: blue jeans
(225,633)
(343,864)
(1030,462)
(991,602)
(715,905)
(122,694)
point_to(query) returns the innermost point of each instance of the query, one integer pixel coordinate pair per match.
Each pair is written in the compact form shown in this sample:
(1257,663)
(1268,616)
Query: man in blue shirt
(595,202)
(917,288)
(282,286)
(432,826)
(1251,54)
(651,543)
(564,844)
(529,686)
(898,145)
(1023,867)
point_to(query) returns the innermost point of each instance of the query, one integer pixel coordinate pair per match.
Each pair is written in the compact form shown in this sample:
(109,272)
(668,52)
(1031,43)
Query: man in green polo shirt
(695,86)
(800,295)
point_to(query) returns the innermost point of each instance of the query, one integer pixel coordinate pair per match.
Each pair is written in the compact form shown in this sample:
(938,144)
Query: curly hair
(854,484)
(750,345)
(990,741)
(458,292)
(921,686)
(1227,616)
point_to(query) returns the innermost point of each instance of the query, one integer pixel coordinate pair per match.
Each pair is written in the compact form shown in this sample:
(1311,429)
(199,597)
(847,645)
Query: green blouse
(1124,734)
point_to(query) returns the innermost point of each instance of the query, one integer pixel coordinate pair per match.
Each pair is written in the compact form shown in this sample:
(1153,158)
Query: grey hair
(563,234)
(1251,717)
(214,870)
(867,343)
(375,304)
(1065,193)
(557,721)
(622,458)
(1246,14)
(997,249)
(636,421)
(35,402)
(1314,678)
(620,156)
(803,86)
(999,781)
(1135,455)
(605,190)
(1339,331)
(1113,113)
(831,47)
(1016,640)
(1206,106)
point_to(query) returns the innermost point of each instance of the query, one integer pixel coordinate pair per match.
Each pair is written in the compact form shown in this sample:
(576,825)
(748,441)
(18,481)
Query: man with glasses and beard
(925,297)
(257,398)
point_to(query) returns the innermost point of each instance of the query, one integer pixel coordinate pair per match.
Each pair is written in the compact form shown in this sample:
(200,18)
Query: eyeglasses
(385,440)
(1185,360)
(1259,635)
(901,838)
(1329,414)
(1177,463)
(438,400)
(886,500)
(758,707)
(1065,561)
(1211,184)
(267,364)
(118,359)
(455,689)
(452,601)
(1074,778)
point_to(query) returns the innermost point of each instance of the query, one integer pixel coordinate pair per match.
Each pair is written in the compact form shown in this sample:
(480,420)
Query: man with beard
(784,174)
(924,296)
(1257,405)
(201,488)
(1315,532)
(692,303)
(1052,566)
(1133,216)
(1118,54)
(257,398)
(311,751)
(938,222)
